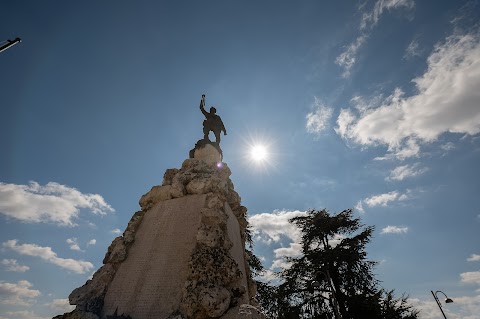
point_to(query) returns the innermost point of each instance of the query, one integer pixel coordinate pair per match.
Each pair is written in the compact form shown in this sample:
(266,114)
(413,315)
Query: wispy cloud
(47,254)
(394,230)
(18,294)
(73,242)
(470,277)
(318,119)
(53,202)
(347,58)
(399,173)
(370,19)
(359,207)
(60,306)
(24,314)
(92,242)
(474,257)
(382,199)
(385,199)
(116,231)
(447,101)
(447,146)
(413,50)
(13,265)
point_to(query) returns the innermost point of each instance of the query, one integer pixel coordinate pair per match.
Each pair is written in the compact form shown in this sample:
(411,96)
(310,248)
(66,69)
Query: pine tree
(332,278)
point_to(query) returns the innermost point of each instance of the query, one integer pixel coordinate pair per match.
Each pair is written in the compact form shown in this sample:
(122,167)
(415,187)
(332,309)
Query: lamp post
(9,43)
(447,300)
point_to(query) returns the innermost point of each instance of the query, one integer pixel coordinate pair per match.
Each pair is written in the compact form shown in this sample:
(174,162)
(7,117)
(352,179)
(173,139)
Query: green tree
(332,278)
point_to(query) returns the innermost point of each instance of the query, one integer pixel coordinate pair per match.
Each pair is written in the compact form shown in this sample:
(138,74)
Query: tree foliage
(332,278)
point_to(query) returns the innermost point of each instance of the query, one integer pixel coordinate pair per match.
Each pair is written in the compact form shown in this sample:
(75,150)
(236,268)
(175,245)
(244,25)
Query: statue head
(213,110)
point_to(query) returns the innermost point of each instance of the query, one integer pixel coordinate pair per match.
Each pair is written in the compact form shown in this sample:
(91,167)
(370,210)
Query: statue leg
(205,131)
(217,137)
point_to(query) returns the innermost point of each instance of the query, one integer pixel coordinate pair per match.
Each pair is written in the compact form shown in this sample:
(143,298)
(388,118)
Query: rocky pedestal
(181,256)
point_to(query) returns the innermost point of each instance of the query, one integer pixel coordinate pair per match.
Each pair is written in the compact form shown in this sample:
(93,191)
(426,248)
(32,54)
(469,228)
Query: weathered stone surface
(241,211)
(207,185)
(117,252)
(213,216)
(149,283)
(155,195)
(208,154)
(233,199)
(169,175)
(252,287)
(210,235)
(129,233)
(178,188)
(96,287)
(94,305)
(214,265)
(77,314)
(214,301)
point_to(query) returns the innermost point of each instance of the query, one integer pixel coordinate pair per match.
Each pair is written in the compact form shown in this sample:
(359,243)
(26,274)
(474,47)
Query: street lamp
(9,43)
(447,300)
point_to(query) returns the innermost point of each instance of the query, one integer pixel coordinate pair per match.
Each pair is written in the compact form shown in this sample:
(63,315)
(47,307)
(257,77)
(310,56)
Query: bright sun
(258,153)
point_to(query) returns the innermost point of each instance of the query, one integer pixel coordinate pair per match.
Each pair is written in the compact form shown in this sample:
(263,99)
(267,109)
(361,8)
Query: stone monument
(182,255)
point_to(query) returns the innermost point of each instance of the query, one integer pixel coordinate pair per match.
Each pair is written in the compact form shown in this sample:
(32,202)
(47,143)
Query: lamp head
(448,300)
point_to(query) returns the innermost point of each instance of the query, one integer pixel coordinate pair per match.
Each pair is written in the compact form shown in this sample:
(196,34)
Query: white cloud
(280,263)
(47,254)
(18,294)
(447,100)
(359,207)
(412,50)
(60,306)
(429,309)
(92,242)
(317,121)
(73,242)
(12,265)
(370,19)
(53,202)
(471,277)
(382,199)
(404,171)
(116,231)
(348,57)
(394,230)
(447,146)
(474,257)
(24,314)
(272,227)
(294,250)
(385,199)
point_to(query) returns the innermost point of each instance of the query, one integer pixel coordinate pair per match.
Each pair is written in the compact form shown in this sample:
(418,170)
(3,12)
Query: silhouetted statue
(212,123)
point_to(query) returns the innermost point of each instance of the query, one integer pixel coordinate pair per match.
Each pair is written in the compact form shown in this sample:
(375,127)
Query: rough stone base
(155,269)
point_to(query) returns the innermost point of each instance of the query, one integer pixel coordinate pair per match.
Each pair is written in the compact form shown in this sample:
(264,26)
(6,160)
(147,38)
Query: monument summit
(182,255)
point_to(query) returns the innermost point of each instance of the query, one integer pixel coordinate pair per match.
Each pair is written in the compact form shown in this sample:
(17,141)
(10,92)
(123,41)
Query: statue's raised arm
(202,105)
(213,122)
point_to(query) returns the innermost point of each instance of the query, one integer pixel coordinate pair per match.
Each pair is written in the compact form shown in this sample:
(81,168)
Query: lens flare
(258,153)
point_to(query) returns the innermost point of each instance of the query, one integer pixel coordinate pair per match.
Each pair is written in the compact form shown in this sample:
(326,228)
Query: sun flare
(258,153)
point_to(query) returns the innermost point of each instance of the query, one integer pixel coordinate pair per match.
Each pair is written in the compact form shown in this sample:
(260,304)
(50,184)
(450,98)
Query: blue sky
(371,104)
